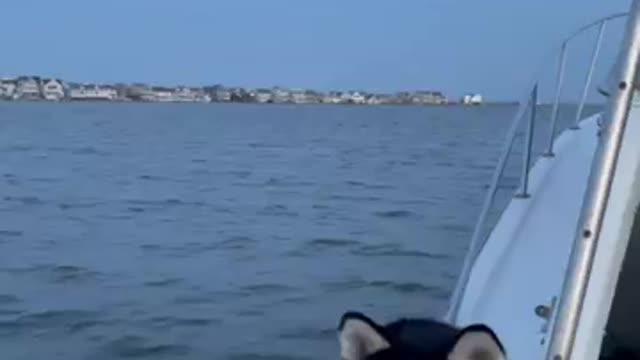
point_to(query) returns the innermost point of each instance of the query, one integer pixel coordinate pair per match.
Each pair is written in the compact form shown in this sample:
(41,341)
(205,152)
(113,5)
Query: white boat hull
(524,260)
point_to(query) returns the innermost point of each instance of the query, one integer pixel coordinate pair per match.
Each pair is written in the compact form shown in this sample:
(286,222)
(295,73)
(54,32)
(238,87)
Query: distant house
(239,94)
(201,95)
(358,97)
(8,88)
(139,92)
(222,94)
(472,99)
(402,97)
(217,93)
(121,91)
(92,92)
(384,99)
(345,97)
(353,97)
(263,96)
(184,94)
(428,97)
(332,97)
(28,88)
(301,96)
(53,89)
(373,99)
(163,94)
(280,95)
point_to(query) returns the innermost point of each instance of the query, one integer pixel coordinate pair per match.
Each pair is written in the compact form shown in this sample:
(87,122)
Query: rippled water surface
(229,232)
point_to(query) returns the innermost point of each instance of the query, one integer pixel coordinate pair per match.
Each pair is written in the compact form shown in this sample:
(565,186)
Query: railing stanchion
(477,239)
(576,282)
(530,98)
(556,104)
(587,83)
(528,142)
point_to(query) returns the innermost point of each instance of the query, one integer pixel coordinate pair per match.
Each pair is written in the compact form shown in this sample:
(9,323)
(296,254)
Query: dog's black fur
(409,339)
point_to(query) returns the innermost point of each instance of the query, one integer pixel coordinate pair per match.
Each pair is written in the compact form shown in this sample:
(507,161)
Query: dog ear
(477,342)
(360,337)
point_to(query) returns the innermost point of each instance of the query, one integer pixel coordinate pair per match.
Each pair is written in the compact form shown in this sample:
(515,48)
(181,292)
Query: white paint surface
(524,260)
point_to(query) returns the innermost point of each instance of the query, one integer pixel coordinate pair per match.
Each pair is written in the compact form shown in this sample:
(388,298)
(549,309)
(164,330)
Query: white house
(184,94)
(476,99)
(202,96)
(355,97)
(299,96)
(428,97)
(28,88)
(222,95)
(93,92)
(280,95)
(7,88)
(374,100)
(53,89)
(137,92)
(163,94)
(333,97)
(263,96)
(472,99)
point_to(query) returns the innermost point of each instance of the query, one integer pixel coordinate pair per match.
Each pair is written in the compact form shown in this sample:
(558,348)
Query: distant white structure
(28,88)
(374,100)
(354,97)
(93,92)
(280,95)
(333,97)
(428,97)
(53,89)
(472,99)
(8,88)
(162,94)
(300,96)
(358,97)
(263,96)
(222,94)
(186,94)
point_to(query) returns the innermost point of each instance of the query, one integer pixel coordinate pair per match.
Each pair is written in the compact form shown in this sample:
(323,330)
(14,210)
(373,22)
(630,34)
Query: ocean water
(197,231)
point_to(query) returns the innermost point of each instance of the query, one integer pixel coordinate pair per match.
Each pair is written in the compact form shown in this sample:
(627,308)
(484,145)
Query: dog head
(363,339)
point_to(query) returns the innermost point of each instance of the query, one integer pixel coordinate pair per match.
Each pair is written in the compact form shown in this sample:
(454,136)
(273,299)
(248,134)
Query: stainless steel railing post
(574,288)
(528,141)
(478,232)
(587,83)
(479,237)
(556,104)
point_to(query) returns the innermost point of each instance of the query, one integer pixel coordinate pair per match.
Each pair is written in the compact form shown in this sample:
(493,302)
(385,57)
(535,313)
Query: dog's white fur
(476,345)
(358,339)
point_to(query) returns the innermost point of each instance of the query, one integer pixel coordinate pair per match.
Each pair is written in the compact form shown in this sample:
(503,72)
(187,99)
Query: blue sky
(488,46)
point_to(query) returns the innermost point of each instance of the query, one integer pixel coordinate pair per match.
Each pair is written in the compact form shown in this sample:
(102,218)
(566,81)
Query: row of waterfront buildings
(50,89)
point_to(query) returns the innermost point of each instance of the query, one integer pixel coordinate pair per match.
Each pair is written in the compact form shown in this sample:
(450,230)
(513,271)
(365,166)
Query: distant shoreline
(36,88)
(452,104)
(100,101)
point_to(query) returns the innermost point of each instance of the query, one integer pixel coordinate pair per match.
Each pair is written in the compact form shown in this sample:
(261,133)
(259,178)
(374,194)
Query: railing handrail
(596,199)
(477,239)
(594,23)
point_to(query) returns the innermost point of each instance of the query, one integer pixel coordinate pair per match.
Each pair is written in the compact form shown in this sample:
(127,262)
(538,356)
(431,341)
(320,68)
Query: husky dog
(415,339)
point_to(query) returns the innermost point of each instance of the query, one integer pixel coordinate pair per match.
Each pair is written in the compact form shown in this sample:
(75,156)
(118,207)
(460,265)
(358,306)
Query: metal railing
(588,231)
(529,105)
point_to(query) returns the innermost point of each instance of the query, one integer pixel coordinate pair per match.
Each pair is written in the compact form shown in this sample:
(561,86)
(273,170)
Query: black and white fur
(415,339)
